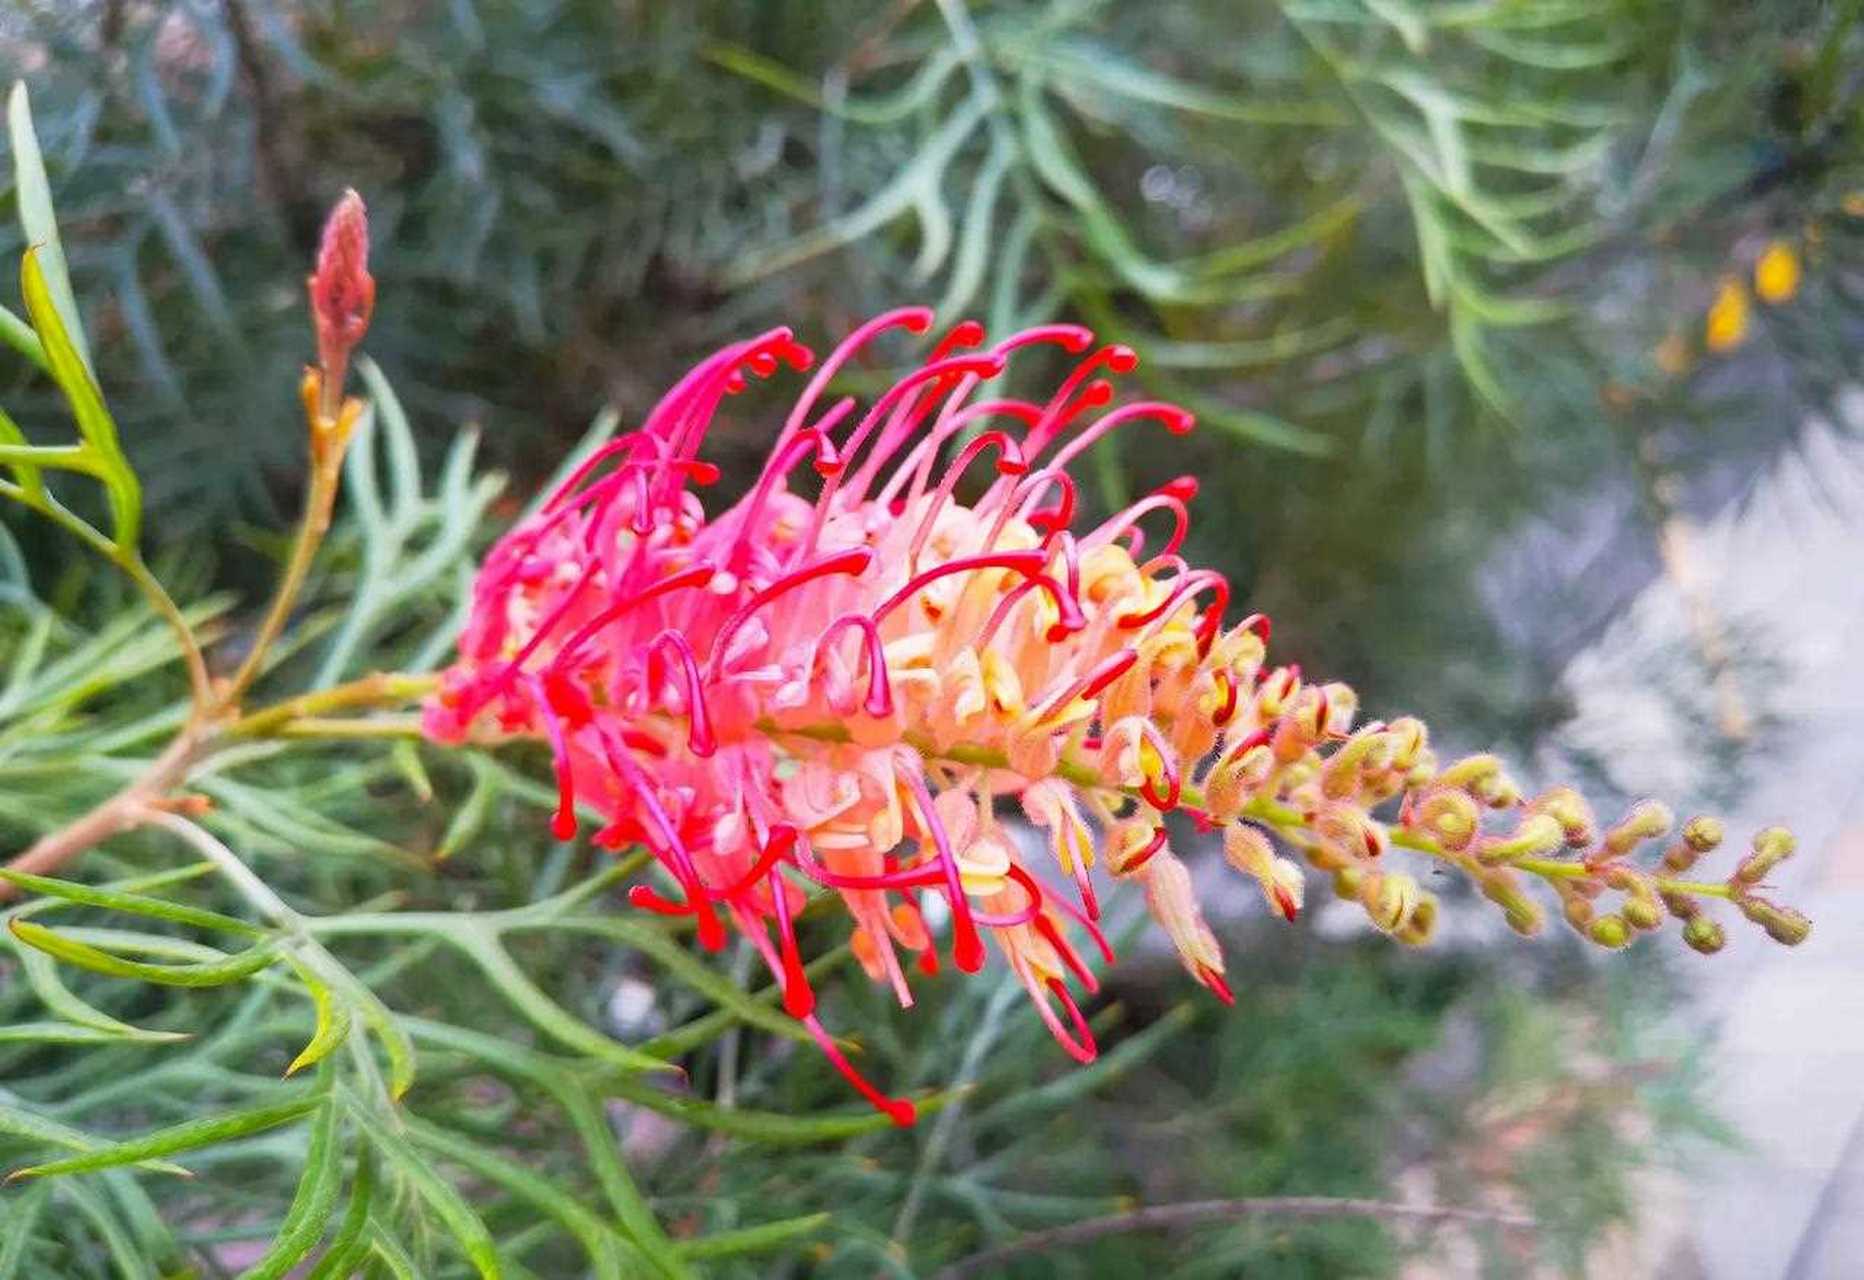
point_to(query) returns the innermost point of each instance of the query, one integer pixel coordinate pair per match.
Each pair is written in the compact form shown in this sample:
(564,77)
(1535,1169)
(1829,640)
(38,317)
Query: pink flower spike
(835,690)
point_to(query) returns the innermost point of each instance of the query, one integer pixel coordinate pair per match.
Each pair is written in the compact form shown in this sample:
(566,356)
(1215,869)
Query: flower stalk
(342,296)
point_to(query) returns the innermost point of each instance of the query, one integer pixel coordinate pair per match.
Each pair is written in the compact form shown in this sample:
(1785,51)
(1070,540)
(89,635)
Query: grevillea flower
(852,693)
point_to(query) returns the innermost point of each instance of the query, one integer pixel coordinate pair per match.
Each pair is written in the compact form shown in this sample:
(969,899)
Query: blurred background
(1524,342)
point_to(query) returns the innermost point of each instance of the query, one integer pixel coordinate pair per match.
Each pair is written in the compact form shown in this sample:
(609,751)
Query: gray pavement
(1785,573)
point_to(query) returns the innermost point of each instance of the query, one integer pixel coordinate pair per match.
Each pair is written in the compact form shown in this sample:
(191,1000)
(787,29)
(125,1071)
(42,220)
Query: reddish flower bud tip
(342,290)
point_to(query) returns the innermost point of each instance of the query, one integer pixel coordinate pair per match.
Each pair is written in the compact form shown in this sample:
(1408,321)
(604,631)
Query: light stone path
(1786,574)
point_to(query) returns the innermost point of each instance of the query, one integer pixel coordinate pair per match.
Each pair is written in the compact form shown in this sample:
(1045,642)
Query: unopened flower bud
(1294,737)
(1641,909)
(1409,740)
(1704,935)
(1499,792)
(1294,776)
(1367,751)
(1322,857)
(1130,845)
(1173,904)
(1647,820)
(1376,788)
(1567,807)
(1537,835)
(1679,858)
(1609,931)
(1422,922)
(1680,905)
(1347,882)
(1388,899)
(1524,917)
(1236,779)
(1351,833)
(1334,718)
(1772,846)
(1277,689)
(1471,772)
(1643,914)
(342,290)
(1448,816)
(1703,834)
(1482,776)
(1783,924)
(1247,848)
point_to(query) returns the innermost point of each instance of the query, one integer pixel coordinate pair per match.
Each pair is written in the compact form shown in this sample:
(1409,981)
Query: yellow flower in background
(1727,323)
(1776,275)
(1853,204)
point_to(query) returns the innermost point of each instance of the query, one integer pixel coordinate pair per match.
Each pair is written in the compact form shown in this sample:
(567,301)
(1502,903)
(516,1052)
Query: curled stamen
(1114,357)
(879,693)
(853,561)
(1009,463)
(912,319)
(699,734)
(1186,585)
(1163,500)
(1177,421)
(1027,563)
(967,949)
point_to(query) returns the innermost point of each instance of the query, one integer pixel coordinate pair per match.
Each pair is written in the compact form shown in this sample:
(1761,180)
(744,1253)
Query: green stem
(334,728)
(379,689)
(1287,821)
(1555,869)
(199,682)
(319,501)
